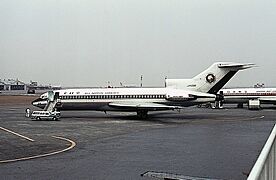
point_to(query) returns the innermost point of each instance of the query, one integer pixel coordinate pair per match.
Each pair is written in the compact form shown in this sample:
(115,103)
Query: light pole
(141,80)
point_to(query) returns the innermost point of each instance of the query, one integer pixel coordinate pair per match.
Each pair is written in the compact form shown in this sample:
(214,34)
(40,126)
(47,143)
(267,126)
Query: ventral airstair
(50,111)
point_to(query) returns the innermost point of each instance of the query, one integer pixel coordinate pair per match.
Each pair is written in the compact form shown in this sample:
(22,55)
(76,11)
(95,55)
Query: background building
(2,86)
(12,84)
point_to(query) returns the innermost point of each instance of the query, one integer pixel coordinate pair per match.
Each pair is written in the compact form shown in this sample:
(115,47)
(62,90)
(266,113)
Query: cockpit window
(44,96)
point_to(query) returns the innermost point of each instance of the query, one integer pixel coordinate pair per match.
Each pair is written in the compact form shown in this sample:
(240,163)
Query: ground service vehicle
(38,115)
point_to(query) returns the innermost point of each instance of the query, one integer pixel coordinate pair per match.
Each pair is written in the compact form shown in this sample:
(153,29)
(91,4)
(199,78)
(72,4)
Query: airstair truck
(49,111)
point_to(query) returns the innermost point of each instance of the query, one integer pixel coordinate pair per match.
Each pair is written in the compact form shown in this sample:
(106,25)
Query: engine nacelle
(179,96)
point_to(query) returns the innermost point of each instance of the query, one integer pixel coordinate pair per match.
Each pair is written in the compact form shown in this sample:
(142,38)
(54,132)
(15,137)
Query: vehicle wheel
(38,118)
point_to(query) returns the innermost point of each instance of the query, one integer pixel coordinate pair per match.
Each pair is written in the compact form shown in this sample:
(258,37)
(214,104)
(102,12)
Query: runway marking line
(73,144)
(245,119)
(225,120)
(14,133)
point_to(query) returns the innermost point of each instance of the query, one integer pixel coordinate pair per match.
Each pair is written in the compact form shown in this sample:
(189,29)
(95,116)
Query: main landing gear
(240,105)
(142,114)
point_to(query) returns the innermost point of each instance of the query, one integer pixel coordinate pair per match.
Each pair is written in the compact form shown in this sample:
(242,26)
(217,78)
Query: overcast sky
(87,43)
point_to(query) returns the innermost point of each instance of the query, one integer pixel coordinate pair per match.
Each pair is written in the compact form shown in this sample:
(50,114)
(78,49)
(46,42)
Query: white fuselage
(243,95)
(100,98)
(177,93)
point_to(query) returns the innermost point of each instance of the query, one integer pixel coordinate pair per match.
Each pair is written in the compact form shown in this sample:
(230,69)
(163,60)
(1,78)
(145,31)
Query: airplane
(177,94)
(253,97)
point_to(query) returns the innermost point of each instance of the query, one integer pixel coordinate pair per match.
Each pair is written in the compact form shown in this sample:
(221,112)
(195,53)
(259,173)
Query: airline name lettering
(108,93)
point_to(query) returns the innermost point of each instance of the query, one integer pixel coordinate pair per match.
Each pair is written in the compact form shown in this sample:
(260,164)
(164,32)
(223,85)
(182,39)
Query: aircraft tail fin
(210,80)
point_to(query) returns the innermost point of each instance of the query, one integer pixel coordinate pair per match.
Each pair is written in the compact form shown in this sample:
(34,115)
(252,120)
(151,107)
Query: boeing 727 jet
(177,94)
(253,97)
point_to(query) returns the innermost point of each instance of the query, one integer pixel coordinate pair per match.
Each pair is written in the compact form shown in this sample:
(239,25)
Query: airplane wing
(142,106)
(268,99)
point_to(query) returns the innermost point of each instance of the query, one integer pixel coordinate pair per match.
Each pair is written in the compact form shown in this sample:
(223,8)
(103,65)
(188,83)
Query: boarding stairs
(52,101)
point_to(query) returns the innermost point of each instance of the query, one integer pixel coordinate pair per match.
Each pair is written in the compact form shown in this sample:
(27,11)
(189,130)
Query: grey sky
(87,43)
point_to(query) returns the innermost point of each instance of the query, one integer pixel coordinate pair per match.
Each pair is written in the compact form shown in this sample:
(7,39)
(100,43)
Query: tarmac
(218,144)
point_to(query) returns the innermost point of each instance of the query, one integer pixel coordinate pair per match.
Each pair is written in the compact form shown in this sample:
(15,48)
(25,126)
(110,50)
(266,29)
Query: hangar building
(12,84)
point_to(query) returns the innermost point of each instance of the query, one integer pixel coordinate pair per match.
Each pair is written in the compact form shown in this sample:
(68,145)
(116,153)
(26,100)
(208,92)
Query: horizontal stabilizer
(238,66)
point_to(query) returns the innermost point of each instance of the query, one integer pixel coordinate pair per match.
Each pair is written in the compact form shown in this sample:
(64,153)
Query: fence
(265,166)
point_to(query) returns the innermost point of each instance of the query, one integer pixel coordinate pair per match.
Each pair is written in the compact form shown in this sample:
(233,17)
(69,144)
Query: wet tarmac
(222,144)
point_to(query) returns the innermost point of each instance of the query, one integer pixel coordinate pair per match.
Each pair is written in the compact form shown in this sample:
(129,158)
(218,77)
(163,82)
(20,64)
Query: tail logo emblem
(210,78)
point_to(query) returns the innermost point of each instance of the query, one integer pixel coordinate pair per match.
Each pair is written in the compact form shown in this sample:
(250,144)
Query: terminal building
(11,85)
(16,85)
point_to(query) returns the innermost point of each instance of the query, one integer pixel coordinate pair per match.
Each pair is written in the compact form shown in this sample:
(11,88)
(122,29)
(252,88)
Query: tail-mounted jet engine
(180,97)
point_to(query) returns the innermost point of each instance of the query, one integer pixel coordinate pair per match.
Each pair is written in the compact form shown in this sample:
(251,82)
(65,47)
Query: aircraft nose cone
(36,101)
(39,103)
